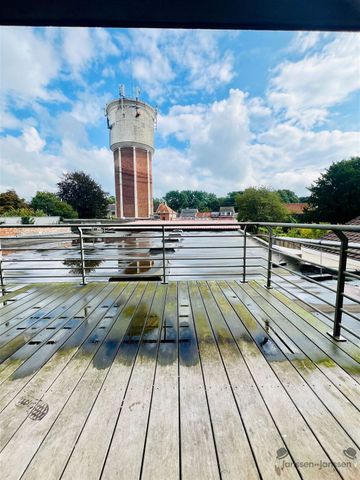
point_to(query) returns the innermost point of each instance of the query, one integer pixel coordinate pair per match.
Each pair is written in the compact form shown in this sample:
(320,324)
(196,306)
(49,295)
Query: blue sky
(236,109)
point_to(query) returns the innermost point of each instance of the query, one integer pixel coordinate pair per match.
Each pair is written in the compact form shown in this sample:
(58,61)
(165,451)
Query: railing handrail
(188,224)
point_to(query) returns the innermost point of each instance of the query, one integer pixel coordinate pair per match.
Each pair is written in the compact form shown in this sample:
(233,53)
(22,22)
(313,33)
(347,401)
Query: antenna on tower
(137,93)
(156,118)
(122,96)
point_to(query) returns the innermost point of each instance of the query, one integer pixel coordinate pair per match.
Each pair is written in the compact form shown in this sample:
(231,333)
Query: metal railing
(201,250)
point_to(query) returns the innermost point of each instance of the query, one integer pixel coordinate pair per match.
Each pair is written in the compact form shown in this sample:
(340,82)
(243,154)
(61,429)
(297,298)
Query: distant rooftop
(164,208)
(296,208)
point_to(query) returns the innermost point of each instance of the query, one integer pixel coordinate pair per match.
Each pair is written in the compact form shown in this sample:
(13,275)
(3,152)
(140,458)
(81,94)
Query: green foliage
(110,199)
(83,194)
(335,195)
(52,205)
(310,233)
(203,201)
(260,205)
(156,203)
(23,212)
(10,200)
(288,196)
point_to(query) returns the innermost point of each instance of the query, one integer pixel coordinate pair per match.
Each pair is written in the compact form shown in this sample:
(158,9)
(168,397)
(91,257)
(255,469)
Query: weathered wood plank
(130,430)
(195,427)
(20,449)
(337,404)
(301,443)
(16,295)
(260,427)
(20,334)
(91,449)
(326,429)
(19,371)
(162,448)
(27,307)
(351,347)
(235,456)
(332,348)
(319,360)
(63,434)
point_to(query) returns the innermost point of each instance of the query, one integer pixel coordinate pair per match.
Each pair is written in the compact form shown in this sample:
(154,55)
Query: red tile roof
(163,208)
(295,207)
(203,215)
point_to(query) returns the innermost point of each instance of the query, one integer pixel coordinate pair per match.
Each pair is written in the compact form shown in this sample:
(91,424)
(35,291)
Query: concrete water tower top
(131,123)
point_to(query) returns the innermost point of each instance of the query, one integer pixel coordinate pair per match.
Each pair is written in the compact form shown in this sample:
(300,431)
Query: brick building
(165,212)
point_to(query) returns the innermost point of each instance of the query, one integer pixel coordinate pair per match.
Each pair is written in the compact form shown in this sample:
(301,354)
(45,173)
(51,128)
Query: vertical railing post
(344,242)
(2,277)
(82,256)
(163,254)
(244,256)
(269,262)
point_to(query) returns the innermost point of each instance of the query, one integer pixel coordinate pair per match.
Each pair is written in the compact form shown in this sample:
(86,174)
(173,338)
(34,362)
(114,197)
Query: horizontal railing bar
(353,275)
(307,262)
(317,242)
(315,308)
(350,314)
(127,267)
(42,276)
(186,224)
(41,237)
(129,259)
(48,249)
(210,274)
(322,285)
(308,279)
(303,289)
(301,300)
(149,237)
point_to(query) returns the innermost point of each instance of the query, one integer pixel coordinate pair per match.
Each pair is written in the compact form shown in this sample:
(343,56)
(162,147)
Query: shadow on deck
(191,380)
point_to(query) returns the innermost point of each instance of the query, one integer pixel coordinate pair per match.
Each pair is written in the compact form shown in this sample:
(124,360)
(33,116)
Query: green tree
(288,196)
(175,199)
(52,205)
(84,195)
(335,195)
(260,205)
(23,212)
(156,203)
(203,201)
(111,199)
(10,200)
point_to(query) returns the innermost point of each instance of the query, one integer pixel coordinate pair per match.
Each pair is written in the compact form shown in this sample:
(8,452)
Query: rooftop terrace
(191,380)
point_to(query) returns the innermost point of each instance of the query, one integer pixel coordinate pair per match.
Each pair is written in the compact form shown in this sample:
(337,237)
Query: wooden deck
(191,380)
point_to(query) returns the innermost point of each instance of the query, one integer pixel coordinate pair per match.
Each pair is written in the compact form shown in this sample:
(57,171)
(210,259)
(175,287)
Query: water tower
(131,124)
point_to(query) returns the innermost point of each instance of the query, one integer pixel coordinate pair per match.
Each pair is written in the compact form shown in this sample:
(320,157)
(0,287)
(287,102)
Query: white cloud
(223,152)
(81,46)
(27,170)
(192,58)
(27,167)
(77,48)
(31,64)
(306,89)
(32,140)
(170,164)
(304,41)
